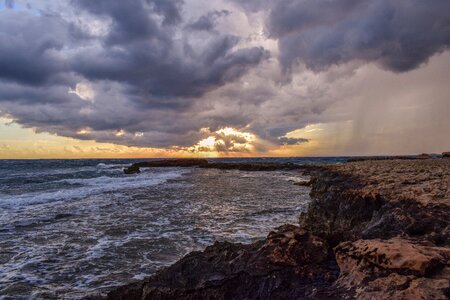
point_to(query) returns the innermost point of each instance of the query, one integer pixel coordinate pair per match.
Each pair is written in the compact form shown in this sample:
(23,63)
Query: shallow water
(74,228)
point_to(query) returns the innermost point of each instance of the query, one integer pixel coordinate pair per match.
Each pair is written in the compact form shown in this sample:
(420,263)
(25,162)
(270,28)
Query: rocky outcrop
(381,199)
(423,156)
(185,162)
(373,230)
(393,157)
(203,163)
(388,221)
(364,158)
(446,154)
(290,264)
(132,170)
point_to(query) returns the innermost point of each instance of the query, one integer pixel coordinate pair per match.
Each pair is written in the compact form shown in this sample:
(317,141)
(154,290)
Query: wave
(111,166)
(83,187)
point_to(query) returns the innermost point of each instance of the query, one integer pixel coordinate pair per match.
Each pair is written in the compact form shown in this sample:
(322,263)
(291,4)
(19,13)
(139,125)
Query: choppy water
(71,228)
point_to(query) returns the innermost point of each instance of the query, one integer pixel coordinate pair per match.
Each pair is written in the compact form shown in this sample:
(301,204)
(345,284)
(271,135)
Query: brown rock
(394,269)
(446,154)
(381,199)
(424,156)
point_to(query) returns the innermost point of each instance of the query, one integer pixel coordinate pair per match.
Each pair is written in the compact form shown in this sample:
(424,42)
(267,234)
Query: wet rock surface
(132,170)
(374,229)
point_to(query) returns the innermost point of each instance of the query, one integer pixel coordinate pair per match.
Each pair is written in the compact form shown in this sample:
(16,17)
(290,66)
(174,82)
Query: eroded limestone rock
(394,269)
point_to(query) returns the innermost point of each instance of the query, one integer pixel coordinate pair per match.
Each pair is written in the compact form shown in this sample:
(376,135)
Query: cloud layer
(156,73)
(398,35)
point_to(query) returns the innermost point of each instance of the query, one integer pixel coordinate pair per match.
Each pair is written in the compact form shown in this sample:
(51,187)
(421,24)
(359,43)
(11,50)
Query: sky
(223,78)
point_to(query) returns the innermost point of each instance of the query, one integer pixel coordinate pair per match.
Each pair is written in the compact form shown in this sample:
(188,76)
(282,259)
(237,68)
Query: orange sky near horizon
(24,143)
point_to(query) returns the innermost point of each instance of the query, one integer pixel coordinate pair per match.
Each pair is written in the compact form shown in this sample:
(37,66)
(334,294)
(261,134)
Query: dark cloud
(160,74)
(150,60)
(291,141)
(155,69)
(155,75)
(398,35)
(134,20)
(207,22)
(29,47)
(169,9)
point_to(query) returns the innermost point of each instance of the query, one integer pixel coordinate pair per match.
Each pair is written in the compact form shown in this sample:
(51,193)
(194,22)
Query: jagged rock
(289,264)
(394,269)
(446,154)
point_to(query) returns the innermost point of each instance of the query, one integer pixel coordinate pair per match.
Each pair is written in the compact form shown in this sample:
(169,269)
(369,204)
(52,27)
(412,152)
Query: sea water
(73,228)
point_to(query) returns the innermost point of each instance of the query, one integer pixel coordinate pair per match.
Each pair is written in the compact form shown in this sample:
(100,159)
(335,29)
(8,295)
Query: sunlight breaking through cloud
(225,140)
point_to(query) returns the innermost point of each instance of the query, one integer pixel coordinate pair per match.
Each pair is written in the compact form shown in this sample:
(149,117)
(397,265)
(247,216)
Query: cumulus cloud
(154,73)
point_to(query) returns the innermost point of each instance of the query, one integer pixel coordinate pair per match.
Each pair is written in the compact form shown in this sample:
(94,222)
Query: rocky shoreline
(374,229)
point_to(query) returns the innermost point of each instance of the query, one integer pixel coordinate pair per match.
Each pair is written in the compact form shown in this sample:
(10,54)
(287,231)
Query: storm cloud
(157,73)
(207,22)
(398,35)
(292,141)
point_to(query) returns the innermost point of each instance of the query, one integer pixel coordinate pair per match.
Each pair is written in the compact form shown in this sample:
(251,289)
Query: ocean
(74,228)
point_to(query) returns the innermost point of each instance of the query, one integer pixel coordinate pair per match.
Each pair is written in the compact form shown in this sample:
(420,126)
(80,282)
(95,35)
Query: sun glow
(226,140)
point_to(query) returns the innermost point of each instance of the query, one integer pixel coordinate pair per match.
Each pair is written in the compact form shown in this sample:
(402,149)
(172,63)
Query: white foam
(297,179)
(111,166)
(90,186)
